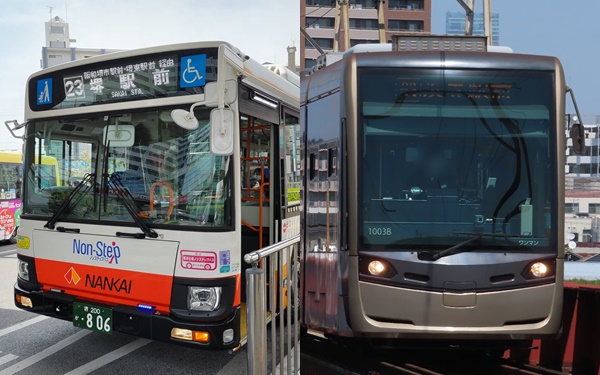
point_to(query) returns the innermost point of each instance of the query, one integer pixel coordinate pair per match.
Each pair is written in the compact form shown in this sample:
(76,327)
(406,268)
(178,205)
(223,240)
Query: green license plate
(92,317)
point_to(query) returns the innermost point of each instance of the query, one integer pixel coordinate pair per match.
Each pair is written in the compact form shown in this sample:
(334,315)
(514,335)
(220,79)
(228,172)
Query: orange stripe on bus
(238,290)
(107,286)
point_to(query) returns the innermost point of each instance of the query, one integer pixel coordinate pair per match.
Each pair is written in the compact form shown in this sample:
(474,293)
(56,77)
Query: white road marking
(29,361)
(108,357)
(285,367)
(7,358)
(24,324)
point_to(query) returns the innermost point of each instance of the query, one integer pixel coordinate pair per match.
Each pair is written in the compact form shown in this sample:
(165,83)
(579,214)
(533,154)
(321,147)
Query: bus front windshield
(128,168)
(452,156)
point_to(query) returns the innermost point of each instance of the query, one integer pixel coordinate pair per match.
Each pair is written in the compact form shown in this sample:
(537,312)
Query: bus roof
(270,81)
(10,157)
(17,158)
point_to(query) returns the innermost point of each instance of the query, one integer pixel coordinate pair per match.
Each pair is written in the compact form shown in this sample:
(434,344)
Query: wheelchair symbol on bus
(192,71)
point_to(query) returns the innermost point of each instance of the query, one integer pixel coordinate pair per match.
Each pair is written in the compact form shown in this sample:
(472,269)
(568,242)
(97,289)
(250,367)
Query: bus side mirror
(577,134)
(16,126)
(221,131)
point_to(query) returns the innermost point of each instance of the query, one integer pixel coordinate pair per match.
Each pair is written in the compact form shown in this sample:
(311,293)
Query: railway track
(321,357)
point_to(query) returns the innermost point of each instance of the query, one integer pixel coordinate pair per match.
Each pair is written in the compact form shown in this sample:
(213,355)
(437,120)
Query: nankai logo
(101,252)
(72,277)
(108,283)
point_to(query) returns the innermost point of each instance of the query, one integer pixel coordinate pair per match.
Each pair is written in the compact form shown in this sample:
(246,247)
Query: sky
(568,30)
(261,29)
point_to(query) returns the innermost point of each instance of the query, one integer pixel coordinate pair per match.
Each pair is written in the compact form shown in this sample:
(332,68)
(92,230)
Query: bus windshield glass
(129,167)
(449,155)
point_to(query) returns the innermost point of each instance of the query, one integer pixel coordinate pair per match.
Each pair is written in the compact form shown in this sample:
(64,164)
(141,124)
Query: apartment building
(58,48)
(318,18)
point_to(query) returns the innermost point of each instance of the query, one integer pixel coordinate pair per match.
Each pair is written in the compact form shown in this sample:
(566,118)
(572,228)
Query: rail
(282,290)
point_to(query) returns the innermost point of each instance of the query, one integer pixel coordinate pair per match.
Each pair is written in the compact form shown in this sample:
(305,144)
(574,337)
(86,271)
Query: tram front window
(164,175)
(453,155)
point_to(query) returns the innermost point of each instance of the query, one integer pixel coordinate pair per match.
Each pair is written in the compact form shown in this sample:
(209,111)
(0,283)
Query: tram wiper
(129,203)
(88,182)
(458,248)
(455,249)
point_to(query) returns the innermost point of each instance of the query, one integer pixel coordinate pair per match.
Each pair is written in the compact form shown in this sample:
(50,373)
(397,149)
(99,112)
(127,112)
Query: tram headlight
(376,268)
(202,298)
(539,269)
(23,269)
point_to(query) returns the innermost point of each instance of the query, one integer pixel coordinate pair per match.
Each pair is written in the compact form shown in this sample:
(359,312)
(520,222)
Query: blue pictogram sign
(44,91)
(192,71)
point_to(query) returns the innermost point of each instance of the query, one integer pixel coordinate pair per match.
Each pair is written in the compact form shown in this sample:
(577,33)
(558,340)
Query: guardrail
(280,261)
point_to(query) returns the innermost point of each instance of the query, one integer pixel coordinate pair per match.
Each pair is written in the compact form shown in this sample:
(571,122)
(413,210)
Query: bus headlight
(23,269)
(202,298)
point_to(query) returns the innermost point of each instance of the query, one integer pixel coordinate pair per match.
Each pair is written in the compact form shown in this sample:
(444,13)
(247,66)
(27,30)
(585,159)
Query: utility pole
(381,21)
(487,20)
(469,8)
(342,22)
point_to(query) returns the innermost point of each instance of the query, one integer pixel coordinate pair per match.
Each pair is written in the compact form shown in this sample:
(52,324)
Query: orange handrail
(171,196)
(250,226)
(260,213)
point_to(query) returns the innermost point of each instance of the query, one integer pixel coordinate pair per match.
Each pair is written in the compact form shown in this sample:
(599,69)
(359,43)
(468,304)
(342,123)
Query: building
(582,208)
(587,165)
(455,25)
(58,47)
(318,18)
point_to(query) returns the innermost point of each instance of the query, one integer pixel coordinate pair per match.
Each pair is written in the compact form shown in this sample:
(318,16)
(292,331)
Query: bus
(433,197)
(10,189)
(181,159)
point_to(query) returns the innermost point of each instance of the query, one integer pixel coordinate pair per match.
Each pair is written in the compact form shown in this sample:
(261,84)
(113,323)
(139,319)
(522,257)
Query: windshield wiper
(458,248)
(129,203)
(80,190)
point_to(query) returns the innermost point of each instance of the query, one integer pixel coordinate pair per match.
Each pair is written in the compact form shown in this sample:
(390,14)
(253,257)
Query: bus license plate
(95,318)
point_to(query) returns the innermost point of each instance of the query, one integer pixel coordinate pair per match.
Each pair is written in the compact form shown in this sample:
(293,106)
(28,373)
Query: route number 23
(74,88)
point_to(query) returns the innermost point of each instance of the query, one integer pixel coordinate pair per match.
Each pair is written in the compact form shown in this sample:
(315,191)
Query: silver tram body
(497,121)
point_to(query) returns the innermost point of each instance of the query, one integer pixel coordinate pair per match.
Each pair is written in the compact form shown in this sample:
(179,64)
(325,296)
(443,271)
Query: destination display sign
(138,78)
(455,87)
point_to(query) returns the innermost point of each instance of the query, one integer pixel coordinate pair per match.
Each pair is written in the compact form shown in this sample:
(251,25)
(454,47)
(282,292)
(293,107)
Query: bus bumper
(128,319)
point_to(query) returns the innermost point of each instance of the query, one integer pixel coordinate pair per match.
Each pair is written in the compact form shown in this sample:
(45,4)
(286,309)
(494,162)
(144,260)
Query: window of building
(581,168)
(325,43)
(364,24)
(309,63)
(57,44)
(57,30)
(594,208)
(363,4)
(571,208)
(406,4)
(319,22)
(320,3)
(405,25)
(354,42)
